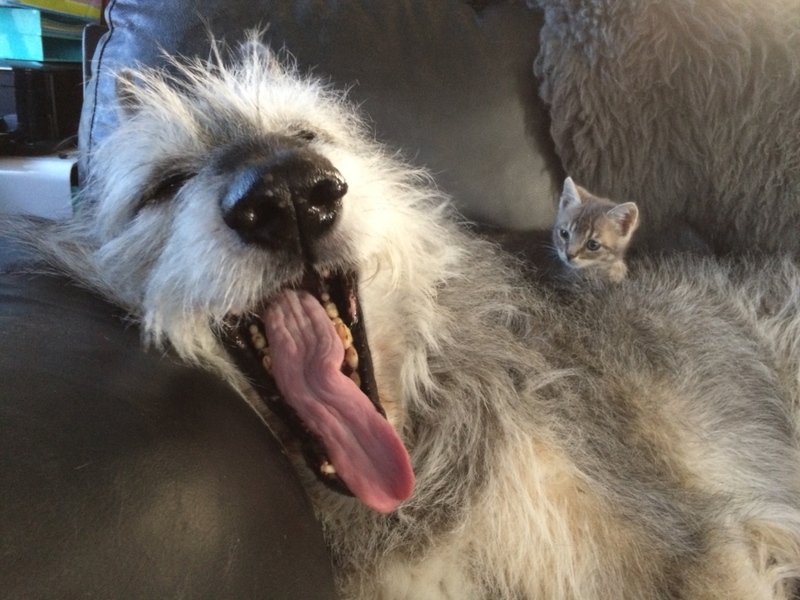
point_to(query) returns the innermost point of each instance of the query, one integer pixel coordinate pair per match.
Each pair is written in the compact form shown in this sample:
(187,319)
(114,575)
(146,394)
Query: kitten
(593,232)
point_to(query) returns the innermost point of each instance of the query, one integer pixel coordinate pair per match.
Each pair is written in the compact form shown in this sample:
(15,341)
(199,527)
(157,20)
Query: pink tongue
(307,355)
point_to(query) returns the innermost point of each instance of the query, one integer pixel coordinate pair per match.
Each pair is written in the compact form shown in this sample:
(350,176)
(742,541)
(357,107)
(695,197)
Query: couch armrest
(126,474)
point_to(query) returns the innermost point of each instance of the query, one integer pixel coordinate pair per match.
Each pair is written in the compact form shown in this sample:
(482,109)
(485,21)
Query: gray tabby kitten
(594,233)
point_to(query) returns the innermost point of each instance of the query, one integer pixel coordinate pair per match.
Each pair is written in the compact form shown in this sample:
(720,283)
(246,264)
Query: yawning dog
(462,434)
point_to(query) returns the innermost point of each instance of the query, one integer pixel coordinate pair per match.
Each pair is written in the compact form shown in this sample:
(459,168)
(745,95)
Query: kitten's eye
(564,234)
(593,245)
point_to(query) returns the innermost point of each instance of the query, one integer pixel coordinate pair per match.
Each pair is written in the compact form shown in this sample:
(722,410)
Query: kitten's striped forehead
(585,216)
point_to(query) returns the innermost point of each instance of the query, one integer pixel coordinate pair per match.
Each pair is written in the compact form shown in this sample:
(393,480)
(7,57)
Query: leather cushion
(127,474)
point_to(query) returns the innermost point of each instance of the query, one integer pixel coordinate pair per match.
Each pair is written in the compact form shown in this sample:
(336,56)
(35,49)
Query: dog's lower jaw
(334,413)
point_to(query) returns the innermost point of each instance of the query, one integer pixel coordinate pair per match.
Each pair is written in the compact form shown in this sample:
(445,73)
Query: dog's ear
(125,91)
(626,217)
(569,196)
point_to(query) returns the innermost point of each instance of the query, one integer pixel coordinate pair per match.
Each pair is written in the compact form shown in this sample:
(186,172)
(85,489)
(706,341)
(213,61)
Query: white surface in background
(37,185)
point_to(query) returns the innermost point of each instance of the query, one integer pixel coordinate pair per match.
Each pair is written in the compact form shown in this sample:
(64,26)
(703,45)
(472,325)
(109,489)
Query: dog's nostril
(249,218)
(287,202)
(244,218)
(319,204)
(259,211)
(327,192)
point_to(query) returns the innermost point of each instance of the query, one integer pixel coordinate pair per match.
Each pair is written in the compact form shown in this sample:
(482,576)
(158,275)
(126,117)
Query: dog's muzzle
(305,350)
(286,202)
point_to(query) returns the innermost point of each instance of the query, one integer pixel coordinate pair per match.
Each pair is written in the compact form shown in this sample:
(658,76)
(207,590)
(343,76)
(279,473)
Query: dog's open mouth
(306,354)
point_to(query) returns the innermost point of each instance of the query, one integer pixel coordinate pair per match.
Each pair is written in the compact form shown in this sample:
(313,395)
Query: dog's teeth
(356,379)
(259,342)
(331,309)
(344,333)
(327,468)
(351,357)
(253,329)
(266,361)
(325,297)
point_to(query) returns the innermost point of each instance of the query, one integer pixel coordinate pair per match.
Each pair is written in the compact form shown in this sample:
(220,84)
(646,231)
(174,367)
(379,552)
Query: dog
(688,109)
(489,439)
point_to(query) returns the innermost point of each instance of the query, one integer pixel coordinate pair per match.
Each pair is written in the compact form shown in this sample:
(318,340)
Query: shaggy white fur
(626,441)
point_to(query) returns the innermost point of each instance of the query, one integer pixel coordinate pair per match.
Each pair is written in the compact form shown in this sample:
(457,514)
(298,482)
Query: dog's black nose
(286,202)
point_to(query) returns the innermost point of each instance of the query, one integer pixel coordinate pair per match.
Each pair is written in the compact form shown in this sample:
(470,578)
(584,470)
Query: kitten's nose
(570,257)
(286,202)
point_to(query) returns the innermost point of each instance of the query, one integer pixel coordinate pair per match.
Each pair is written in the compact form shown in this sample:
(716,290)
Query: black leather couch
(125,474)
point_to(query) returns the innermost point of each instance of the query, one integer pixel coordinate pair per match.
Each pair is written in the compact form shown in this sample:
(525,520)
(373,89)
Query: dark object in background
(40,108)
(126,474)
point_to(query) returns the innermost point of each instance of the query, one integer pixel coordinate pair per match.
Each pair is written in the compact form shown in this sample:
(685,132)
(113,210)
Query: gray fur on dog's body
(689,108)
(629,441)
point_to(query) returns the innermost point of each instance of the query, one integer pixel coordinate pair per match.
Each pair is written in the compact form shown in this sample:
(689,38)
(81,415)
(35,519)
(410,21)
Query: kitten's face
(591,231)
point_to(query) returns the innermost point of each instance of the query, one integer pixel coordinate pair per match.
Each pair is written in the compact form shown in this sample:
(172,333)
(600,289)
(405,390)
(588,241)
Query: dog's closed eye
(166,189)
(306,135)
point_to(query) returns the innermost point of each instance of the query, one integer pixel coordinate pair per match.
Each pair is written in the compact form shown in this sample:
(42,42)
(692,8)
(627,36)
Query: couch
(127,474)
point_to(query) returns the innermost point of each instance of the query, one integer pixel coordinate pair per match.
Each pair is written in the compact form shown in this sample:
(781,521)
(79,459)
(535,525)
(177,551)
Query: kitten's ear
(569,196)
(125,89)
(626,216)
